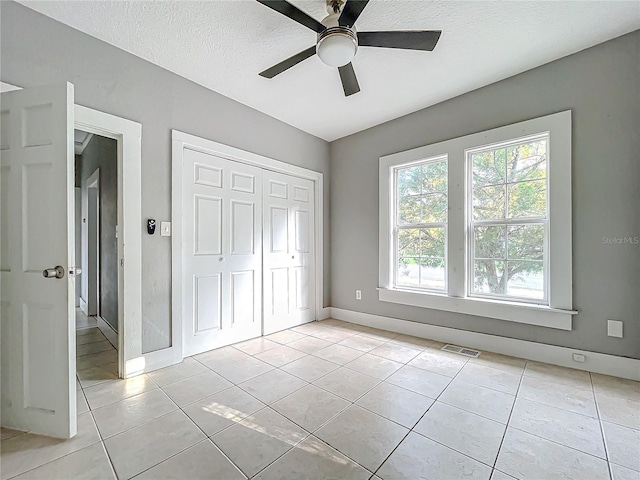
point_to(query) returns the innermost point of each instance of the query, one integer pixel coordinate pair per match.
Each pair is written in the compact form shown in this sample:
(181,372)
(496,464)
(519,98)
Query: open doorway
(96,208)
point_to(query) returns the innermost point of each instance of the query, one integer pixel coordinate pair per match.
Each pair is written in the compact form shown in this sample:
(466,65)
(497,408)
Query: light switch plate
(165,229)
(614,328)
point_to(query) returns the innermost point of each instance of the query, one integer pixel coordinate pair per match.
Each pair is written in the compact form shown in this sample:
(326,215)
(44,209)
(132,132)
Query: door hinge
(122,262)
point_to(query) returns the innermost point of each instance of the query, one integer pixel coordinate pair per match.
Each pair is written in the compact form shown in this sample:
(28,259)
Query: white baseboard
(165,357)
(108,331)
(149,362)
(83,307)
(595,362)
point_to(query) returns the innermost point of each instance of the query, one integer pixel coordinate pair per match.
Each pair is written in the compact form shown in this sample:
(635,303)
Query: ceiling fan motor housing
(337,45)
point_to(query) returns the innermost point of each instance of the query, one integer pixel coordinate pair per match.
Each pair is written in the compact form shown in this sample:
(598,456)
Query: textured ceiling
(222,45)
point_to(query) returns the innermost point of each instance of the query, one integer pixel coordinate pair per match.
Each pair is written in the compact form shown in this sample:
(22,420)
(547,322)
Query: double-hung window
(420,230)
(481,224)
(507,205)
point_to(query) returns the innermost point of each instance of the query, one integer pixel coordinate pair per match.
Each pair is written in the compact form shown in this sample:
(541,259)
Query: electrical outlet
(578,357)
(358,294)
(614,328)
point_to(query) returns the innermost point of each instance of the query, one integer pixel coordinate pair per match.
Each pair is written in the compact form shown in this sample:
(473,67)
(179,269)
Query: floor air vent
(461,350)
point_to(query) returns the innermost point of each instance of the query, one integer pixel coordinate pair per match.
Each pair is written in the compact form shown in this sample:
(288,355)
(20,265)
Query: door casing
(128,135)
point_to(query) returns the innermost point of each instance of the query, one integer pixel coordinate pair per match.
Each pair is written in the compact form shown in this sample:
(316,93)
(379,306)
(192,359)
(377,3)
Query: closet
(248,256)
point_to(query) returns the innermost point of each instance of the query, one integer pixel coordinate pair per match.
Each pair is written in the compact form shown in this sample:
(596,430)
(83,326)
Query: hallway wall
(102,153)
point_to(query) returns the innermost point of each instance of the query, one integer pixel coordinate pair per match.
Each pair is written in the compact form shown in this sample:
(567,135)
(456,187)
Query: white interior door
(37,233)
(288,249)
(221,249)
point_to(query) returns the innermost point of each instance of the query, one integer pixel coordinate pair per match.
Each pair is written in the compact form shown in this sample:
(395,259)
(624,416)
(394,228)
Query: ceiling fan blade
(351,12)
(349,80)
(410,40)
(294,13)
(288,63)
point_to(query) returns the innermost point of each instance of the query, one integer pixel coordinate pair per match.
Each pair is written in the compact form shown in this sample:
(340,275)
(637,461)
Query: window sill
(514,312)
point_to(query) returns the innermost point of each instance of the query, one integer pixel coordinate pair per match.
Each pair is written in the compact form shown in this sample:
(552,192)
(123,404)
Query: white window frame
(396,227)
(505,222)
(558,313)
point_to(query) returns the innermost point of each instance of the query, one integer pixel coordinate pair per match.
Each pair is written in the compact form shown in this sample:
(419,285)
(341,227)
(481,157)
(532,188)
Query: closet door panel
(222,252)
(289,257)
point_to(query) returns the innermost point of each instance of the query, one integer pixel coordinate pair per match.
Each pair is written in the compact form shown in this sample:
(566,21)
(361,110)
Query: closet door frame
(180,141)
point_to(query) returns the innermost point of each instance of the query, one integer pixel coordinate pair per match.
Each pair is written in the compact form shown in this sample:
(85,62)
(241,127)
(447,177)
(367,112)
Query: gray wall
(601,86)
(36,50)
(102,153)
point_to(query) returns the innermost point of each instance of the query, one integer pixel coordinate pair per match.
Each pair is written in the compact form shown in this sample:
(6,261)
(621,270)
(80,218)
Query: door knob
(57,272)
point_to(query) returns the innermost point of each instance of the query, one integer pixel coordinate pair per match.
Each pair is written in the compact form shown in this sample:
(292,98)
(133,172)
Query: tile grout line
(95,424)
(575,413)
(473,413)
(206,437)
(604,441)
(312,434)
(421,417)
(102,440)
(506,427)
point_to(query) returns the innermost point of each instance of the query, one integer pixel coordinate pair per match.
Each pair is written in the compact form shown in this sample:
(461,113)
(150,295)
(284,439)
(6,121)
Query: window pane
(409,181)
(421,199)
(409,242)
(434,177)
(509,182)
(489,203)
(409,210)
(488,276)
(528,199)
(527,161)
(432,273)
(432,244)
(434,208)
(408,272)
(488,169)
(526,242)
(525,279)
(490,242)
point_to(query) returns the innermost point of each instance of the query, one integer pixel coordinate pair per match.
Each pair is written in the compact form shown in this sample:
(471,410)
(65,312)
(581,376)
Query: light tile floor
(82,321)
(331,400)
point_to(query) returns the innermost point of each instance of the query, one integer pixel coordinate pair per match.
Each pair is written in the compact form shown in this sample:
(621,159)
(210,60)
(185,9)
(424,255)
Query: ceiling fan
(338,40)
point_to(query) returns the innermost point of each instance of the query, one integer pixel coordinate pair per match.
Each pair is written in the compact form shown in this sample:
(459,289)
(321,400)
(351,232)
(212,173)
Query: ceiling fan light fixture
(337,46)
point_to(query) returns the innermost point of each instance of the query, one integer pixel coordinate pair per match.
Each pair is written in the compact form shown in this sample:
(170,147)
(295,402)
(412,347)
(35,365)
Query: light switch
(165,229)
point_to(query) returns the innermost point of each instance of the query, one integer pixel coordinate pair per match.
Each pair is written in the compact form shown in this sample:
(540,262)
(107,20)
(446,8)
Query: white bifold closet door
(288,251)
(222,252)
